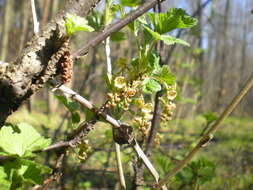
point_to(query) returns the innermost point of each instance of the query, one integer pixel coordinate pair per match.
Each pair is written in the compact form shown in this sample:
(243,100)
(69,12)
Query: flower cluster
(167,102)
(84,149)
(157,140)
(123,93)
(143,121)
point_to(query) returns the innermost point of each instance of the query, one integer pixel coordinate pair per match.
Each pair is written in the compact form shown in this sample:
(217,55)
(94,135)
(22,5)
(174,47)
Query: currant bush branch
(115,27)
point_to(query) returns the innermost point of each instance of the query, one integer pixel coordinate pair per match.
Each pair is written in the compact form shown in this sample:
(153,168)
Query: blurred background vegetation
(209,74)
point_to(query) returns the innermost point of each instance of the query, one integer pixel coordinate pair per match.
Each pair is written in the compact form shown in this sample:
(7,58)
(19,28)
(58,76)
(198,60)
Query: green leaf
(154,34)
(210,117)
(21,139)
(167,39)
(163,164)
(117,36)
(164,74)
(108,134)
(74,23)
(201,170)
(117,7)
(173,19)
(150,86)
(33,171)
(206,173)
(13,170)
(108,14)
(20,170)
(4,183)
(135,25)
(95,20)
(16,180)
(130,3)
(89,115)
(154,61)
(75,117)
(185,176)
(70,105)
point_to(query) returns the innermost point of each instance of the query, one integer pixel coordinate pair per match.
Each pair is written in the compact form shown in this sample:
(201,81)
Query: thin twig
(209,134)
(56,146)
(154,124)
(108,56)
(115,27)
(109,75)
(36,24)
(56,173)
(76,97)
(156,118)
(119,166)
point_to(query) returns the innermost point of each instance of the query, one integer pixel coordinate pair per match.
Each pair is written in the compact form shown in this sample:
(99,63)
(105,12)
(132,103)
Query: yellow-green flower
(120,82)
(147,108)
(172,94)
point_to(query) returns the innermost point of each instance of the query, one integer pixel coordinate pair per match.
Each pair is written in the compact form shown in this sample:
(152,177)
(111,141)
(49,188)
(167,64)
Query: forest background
(208,74)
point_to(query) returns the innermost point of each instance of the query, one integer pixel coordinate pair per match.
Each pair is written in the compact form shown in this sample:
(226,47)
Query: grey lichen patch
(31,64)
(3,67)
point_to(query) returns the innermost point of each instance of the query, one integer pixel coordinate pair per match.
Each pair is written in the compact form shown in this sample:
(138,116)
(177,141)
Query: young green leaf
(173,19)
(71,106)
(130,3)
(33,171)
(154,61)
(135,25)
(150,86)
(16,180)
(21,140)
(75,117)
(167,39)
(95,20)
(210,117)
(118,36)
(74,23)
(154,34)
(21,170)
(4,183)
(164,75)
(108,15)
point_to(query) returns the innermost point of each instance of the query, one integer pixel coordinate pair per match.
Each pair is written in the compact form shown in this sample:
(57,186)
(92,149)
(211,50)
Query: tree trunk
(38,62)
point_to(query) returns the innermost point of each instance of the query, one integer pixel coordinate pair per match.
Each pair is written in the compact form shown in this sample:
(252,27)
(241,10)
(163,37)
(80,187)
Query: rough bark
(38,62)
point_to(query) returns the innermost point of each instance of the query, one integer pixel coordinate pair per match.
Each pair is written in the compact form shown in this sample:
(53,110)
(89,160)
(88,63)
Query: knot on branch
(123,134)
(206,140)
